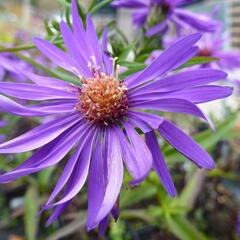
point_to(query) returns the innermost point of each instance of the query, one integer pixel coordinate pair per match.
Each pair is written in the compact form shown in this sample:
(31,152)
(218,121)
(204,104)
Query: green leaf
(31,205)
(132,196)
(132,64)
(124,54)
(48,28)
(44,177)
(183,229)
(199,60)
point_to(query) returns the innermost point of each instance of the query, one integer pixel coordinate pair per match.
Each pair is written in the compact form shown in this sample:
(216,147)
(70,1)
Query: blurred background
(208,204)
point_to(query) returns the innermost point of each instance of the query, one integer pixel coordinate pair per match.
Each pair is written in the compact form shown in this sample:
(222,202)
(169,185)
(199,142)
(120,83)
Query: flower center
(204,52)
(103,99)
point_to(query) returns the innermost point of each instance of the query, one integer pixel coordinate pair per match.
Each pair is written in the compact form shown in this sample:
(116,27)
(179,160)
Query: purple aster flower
(98,119)
(211,45)
(157,14)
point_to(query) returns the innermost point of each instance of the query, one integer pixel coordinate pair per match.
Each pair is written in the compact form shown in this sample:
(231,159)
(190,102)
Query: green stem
(35,64)
(25,47)
(100,5)
(91,5)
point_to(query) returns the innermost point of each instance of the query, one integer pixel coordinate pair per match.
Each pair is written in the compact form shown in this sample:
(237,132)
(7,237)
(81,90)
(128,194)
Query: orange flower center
(103,99)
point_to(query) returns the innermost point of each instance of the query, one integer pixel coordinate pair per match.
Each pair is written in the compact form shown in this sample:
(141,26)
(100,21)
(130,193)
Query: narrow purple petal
(157,28)
(74,50)
(33,92)
(153,120)
(56,107)
(9,106)
(96,182)
(47,81)
(139,123)
(93,40)
(103,226)
(159,164)
(79,32)
(135,165)
(115,177)
(107,59)
(40,135)
(130,4)
(140,152)
(57,212)
(171,105)
(185,145)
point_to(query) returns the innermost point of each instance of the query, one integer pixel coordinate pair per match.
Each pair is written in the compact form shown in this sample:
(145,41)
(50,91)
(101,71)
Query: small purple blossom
(212,45)
(156,15)
(98,119)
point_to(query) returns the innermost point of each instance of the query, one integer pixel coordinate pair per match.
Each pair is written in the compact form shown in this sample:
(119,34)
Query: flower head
(156,15)
(98,118)
(212,45)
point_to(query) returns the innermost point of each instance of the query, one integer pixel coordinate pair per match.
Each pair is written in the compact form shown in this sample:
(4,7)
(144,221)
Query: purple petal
(103,226)
(40,135)
(170,59)
(57,55)
(9,106)
(140,152)
(79,32)
(139,123)
(79,156)
(80,172)
(157,28)
(182,80)
(47,81)
(197,21)
(159,164)
(56,107)
(58,211)
(153,120)
(186,145)
(195,95)
(93,40)
(33,92)
(96,182)
(115,177)
(139,17)
(134,164)
(130,4)
(171,105)
(107,59)
(48,155)
(74,50)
